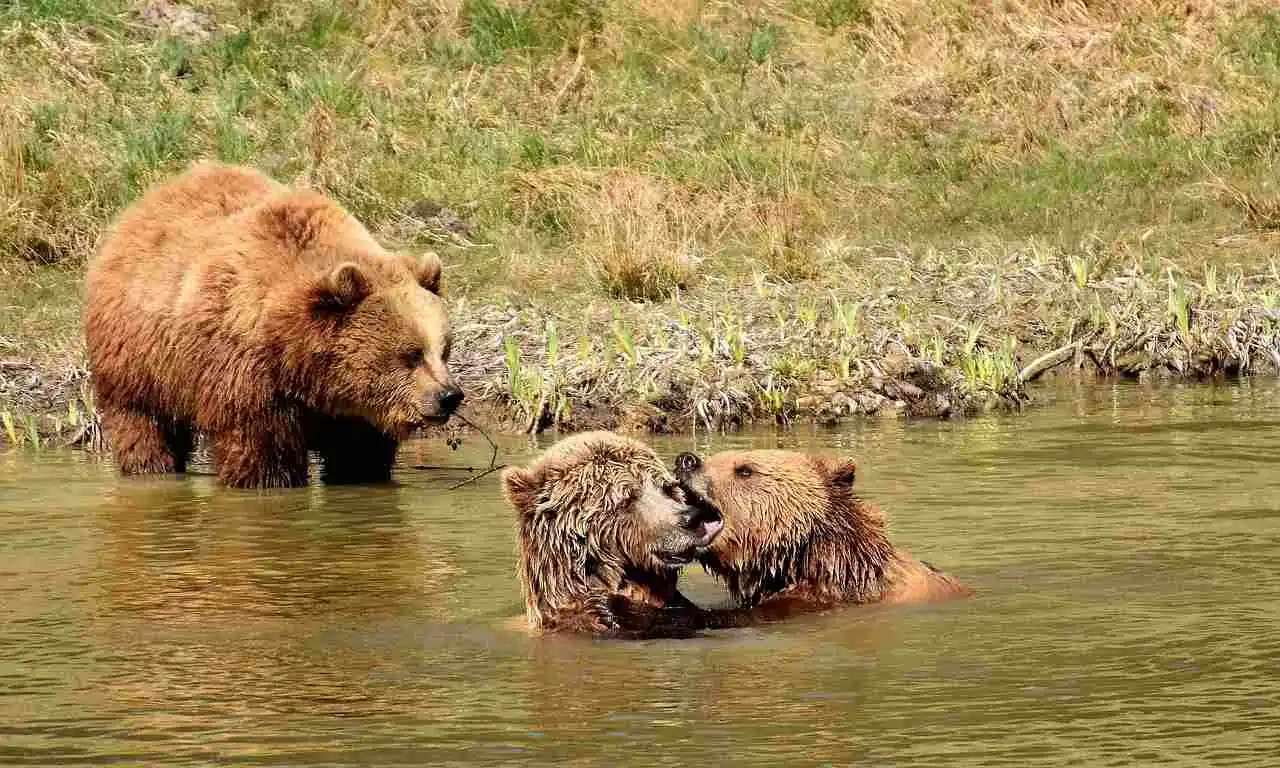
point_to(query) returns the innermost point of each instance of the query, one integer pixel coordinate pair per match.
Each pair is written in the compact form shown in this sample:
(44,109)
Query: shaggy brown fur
(797,538)
(603,528)
(269,319)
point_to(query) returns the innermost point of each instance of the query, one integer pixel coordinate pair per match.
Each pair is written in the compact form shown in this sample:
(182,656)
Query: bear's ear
(520,487)
(344,287)
(426,270)
(840,472)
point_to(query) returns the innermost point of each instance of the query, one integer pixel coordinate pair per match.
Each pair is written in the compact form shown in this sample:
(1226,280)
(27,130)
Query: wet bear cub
(603,530)
(797,538)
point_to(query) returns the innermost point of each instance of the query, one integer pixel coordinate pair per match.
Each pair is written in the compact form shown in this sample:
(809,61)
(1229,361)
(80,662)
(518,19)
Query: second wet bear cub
(797,537)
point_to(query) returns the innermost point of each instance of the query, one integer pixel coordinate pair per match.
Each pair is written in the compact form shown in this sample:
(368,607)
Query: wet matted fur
(603,527)
(797,537)
(269,319)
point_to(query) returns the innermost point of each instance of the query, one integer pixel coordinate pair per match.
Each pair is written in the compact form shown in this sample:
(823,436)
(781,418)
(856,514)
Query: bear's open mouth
(706,522)
(707,531)
(703,527)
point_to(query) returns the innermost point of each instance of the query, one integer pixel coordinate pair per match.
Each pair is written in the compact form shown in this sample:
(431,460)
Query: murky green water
(1126,543)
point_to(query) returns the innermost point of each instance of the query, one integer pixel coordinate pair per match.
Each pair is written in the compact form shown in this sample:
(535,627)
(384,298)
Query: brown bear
(603,529)
(270,320)
(796,537)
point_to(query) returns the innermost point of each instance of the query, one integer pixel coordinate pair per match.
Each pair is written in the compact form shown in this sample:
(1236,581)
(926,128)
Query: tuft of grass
(834,14)
(1261,212)
(1079,269)
(625,342)
(846,315)
(762,42)
(1180,308)
(10,427)
(994,371)
(641,270)
(634,236)
(497,29)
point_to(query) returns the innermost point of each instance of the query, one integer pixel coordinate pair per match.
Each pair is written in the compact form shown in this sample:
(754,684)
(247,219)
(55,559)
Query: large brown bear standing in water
(796,537)
(269,319)
(603,528)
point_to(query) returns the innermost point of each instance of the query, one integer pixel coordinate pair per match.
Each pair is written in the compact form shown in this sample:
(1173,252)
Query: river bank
(668,215)
(925,334)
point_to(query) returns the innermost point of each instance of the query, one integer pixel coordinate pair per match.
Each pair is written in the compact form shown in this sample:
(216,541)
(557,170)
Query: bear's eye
(744,471)
(414,357)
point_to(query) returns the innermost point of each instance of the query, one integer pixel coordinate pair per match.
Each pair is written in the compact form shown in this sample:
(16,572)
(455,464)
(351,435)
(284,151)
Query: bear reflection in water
(252,601)
(191,556)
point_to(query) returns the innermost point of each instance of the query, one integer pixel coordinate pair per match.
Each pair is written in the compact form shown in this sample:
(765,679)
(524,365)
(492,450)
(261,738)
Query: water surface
(1124,541)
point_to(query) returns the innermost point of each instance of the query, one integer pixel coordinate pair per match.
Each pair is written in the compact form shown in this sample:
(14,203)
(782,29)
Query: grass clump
(631,231)
(496,29)
(637,267)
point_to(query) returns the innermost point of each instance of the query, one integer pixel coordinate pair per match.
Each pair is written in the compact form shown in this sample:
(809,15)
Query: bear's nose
(688,463)
(450,399)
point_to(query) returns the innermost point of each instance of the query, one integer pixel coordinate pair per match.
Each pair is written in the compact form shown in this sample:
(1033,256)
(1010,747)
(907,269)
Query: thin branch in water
(494,466)
(456,468)
(476,477)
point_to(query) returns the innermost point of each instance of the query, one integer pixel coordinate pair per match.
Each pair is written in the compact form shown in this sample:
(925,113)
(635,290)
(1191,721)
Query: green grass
(673,152)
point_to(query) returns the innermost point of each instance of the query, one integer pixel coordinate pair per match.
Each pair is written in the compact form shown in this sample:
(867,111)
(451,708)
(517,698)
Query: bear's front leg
(262,453)
(352,451)
(142,444)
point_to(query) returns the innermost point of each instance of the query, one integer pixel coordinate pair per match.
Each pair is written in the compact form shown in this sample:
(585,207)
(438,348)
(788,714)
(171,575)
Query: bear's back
(204,197)
(149,250)
(219,236)
(180,287)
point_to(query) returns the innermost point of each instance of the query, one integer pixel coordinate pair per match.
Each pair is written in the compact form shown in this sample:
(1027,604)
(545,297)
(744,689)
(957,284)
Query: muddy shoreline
(929,335)
(894,388)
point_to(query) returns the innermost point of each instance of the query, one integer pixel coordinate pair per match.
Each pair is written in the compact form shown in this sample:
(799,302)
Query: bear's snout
(449,399)
(705,522)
